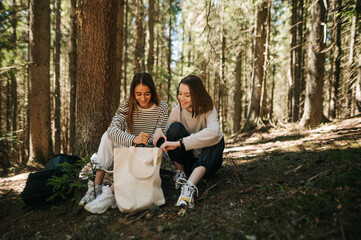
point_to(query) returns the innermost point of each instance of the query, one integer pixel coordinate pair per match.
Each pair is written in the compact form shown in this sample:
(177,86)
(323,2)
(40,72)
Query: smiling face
(184,97)
(143,95)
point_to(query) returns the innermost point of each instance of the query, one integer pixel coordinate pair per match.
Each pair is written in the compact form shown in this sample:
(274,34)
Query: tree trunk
(291,97)
(263,102)
(14,91)
(72,73)
(8,104)
(120,48)
(1,105)
(150,62)
(358,82)
(125,50)
(96,64)
(138,53)
(57,115)
(313,114)
(358,86)
(182,49)
(222,85)
(257,78)
(334,95)
(296,58)
(350,68)
(169,57)
(39,81)
(299,62)
(272,91)
(238,95)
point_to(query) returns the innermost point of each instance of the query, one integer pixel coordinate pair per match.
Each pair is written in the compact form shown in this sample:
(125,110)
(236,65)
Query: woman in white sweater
(194,140)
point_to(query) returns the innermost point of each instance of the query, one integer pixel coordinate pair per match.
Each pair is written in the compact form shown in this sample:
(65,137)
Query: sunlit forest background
(66,64)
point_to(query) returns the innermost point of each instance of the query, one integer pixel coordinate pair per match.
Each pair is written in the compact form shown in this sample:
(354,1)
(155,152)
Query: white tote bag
(137,183)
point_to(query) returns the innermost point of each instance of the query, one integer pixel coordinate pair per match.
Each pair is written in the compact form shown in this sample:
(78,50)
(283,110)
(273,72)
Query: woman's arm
(162,116)
(161,123)
(117,127)
(208,136)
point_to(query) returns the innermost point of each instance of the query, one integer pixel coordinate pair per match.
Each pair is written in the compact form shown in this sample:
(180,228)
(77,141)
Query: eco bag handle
(131,162)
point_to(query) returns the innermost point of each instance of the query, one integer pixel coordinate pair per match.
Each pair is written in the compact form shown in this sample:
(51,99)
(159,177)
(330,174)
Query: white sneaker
(90,195)
(186,198)
(179,175)
(102,202)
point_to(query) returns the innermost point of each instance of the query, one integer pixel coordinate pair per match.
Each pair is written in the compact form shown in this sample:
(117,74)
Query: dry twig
(125,220)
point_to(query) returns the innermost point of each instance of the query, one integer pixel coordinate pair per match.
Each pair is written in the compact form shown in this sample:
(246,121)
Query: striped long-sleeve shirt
(145,120)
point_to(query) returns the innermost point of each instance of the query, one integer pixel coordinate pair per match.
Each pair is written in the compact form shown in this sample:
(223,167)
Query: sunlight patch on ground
(333,133)
(14,184)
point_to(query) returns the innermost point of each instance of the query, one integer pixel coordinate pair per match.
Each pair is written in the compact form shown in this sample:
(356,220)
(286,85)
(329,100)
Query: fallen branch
(24,215)
(207,190)
(237,172)
(247,190)
(124,221)
(322,173)
(294,170)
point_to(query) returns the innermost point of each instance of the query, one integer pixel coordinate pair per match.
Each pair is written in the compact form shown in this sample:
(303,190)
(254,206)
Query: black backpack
(37,190)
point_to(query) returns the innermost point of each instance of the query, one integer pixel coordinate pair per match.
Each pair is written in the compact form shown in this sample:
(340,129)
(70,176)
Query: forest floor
(277,182)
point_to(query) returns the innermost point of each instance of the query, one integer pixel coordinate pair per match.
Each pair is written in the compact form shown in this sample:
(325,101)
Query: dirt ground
(276,182)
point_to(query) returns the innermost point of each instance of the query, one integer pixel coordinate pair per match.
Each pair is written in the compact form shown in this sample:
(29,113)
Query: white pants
(105,155)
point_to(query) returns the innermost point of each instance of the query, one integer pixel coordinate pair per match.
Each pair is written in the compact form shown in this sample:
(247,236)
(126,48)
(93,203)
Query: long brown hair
(201,100)
(144,79)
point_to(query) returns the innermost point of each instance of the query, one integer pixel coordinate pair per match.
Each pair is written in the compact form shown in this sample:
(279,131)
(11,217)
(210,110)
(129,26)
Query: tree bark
(358,86)
(291,97)
(150,62)
(257,78)
(299,62)
(220,109)
(57,97)
(14,88)
(296,58)
(350,68)
(120,48)
(358,82)
(238,95)
(263,101)
(337,53)
(72,73)
(272,91)
(96,63)
(138,53)
(39,81)
(1,106)
(125,50)
(313,113)
(169,55)
(8,104)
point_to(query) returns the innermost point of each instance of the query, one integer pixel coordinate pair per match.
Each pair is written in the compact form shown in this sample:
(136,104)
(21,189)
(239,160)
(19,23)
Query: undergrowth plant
(67,180)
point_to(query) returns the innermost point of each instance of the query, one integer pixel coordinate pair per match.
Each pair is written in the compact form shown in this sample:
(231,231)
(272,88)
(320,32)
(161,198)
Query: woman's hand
(142,138)
(158,133)
(170,145)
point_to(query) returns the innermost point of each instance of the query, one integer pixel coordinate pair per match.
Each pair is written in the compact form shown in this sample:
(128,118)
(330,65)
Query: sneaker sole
(101,211)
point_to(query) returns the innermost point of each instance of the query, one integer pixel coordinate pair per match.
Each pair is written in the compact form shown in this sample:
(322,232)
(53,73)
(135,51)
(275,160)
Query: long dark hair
(147,80)
(201,100)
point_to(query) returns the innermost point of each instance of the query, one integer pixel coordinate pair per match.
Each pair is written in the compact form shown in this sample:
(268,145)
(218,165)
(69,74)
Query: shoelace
(183,181)
(179,175)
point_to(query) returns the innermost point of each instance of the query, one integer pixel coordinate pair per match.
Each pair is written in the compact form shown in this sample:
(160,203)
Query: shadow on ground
(302,187)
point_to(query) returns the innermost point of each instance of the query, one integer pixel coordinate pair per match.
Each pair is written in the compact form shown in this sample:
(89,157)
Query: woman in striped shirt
(137,121)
